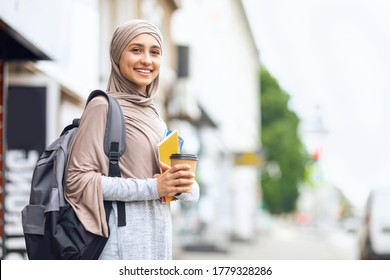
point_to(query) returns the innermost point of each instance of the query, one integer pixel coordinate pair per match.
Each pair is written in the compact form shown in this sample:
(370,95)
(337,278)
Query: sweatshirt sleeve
(190,197)
(129,189)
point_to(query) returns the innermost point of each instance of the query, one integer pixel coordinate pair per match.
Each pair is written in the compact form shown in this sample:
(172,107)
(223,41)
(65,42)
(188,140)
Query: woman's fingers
(175,179)
(183,174)
(183,181)
(178,167)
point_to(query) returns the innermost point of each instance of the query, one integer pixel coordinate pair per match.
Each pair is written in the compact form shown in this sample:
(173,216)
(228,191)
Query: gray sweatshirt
(148,231)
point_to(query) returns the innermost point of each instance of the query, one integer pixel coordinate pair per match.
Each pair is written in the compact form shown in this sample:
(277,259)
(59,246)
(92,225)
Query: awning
(205,119)
(14,47)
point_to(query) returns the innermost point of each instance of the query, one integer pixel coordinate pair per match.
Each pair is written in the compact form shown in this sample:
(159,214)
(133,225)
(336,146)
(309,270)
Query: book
(168,146)
(181,141)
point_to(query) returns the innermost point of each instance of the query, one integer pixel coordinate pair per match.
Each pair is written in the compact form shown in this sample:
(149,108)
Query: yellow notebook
(168,146)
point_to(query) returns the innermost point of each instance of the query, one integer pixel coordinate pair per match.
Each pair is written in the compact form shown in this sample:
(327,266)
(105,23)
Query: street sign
(249,158)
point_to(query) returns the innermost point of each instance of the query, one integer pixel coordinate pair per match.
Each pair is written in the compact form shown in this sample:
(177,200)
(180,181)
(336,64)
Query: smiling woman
(140,61)
(140,223)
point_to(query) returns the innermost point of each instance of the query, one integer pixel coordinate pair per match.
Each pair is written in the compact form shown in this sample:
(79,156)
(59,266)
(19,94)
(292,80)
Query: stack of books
(171,144)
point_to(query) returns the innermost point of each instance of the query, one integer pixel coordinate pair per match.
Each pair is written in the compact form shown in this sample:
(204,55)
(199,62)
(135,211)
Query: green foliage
(282,145)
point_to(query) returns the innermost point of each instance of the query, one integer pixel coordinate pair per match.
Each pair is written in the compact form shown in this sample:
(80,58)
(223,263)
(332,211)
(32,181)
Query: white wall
(224,67)
(67,31)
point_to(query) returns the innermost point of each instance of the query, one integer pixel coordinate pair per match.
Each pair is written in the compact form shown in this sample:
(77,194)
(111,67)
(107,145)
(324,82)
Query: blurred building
(54,53)
(216,97)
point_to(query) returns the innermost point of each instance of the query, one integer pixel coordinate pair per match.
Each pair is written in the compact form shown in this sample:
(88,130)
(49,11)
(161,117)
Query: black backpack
(50,225)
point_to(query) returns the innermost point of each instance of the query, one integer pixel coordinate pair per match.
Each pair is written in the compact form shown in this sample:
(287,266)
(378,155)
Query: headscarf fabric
(144,129)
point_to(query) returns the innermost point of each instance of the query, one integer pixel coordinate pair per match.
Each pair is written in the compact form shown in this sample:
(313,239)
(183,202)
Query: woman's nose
(146,58)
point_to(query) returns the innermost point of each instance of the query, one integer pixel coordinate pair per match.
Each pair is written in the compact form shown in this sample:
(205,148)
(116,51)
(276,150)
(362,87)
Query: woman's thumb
(164,167)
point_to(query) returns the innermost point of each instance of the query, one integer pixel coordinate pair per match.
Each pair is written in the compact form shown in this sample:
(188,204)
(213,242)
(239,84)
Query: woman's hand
(175,179)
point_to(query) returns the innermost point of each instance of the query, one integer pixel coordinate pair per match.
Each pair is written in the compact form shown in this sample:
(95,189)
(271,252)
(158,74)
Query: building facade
(54,53)
(218,95)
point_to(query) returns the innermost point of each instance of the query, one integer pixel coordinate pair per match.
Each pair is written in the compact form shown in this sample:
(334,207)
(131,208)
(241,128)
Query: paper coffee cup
(189,159)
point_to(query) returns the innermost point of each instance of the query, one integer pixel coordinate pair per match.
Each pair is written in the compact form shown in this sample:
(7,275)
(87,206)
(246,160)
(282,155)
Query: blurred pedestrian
(136,53)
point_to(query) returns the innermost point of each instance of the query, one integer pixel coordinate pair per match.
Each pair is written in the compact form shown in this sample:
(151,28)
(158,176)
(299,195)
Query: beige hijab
(144,129)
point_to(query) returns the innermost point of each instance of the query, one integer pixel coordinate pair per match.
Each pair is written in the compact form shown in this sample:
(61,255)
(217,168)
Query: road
(286,242)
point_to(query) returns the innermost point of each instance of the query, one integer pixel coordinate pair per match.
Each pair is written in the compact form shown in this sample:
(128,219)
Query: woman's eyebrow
(142,45)
(136,44)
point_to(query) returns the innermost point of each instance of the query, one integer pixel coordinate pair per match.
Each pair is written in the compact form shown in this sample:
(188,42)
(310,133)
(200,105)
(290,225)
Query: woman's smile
(144,71)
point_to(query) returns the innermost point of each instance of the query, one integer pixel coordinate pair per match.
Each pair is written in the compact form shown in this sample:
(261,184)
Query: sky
(333,58)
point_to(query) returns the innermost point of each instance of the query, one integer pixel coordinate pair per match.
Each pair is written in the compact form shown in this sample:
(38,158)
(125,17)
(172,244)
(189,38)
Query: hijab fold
(144,129)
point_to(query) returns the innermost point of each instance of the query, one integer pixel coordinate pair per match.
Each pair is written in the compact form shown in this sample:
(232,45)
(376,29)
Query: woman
(136,50)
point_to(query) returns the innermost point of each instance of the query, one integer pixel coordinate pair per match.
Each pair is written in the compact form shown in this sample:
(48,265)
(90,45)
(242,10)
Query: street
(287,242)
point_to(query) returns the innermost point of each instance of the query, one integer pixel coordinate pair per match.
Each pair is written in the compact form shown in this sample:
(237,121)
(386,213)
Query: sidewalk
(285,243)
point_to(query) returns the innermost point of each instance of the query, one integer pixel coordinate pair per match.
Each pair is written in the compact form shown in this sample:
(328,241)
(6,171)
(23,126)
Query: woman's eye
(155,52)
(136,50)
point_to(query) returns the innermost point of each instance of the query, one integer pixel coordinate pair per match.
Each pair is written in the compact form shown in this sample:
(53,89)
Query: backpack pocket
(33,219)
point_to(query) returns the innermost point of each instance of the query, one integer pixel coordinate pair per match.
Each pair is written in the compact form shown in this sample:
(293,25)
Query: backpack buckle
(114,157)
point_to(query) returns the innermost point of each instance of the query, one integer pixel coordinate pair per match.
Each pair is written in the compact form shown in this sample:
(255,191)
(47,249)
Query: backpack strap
(114,142)
(75,123)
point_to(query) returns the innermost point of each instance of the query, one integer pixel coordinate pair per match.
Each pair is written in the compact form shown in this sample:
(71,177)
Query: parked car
(374,236)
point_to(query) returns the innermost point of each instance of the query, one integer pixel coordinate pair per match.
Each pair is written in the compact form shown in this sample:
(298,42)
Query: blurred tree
(282,147)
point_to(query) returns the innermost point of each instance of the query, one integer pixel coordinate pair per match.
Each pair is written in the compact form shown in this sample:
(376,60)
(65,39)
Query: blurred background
(285,102)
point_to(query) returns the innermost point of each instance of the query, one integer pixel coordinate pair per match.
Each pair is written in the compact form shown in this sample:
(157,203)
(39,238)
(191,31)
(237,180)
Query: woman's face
(140,61)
